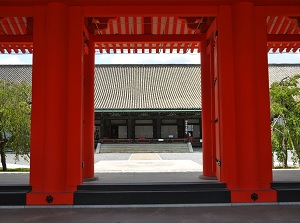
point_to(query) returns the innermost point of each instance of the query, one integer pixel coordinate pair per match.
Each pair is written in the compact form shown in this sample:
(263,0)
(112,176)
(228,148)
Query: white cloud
(11,59)
(279,58)
(15,59)
(286,58)
(148,59)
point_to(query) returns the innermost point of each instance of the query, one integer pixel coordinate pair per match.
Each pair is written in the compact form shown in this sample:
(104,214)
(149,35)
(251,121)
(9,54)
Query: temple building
(147,103)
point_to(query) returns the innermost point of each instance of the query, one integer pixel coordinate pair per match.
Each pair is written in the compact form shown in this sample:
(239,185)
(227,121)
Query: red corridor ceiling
(164,34)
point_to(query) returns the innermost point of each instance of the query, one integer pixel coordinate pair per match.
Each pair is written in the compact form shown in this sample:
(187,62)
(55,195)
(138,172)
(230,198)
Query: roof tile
(146,86)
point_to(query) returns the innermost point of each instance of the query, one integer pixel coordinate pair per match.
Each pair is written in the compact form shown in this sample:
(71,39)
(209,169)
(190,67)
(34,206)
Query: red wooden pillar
(214,115)
(207,145)
(89,113)
(226,89)
(38,100)
(263,100)
(56,156)
(75,97)
(243,150)
(51,38)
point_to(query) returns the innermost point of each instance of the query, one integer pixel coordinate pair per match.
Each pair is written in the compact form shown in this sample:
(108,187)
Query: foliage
(14,119)
(16,169)
(285,108)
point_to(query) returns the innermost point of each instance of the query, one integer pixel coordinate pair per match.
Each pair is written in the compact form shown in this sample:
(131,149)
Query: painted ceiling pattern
(143,34)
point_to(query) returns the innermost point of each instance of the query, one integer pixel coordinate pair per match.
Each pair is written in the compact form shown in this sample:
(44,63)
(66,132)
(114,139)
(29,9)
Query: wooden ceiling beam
(283,38)
(15,39)
(145,11)
(184,38)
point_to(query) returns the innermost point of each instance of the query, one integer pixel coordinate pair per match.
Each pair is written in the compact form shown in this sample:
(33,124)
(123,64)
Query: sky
(274,58)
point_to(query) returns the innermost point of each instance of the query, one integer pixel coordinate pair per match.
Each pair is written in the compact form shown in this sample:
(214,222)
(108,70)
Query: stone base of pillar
(89,179)
(253,196)
(208,177)
(51,198)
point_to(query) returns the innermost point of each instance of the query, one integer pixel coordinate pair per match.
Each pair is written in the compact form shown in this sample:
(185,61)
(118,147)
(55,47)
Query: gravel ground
(111,156)
(196,157)
(10,158)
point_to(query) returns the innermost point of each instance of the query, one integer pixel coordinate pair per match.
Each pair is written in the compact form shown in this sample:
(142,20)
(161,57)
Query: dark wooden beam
(16,39)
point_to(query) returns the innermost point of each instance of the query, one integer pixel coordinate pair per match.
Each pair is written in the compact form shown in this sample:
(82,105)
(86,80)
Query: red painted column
(56,164)
(75,98)
(243,157)
(248,61)
(245,95)
(38,99)
(207,147)
(52,157)
(89,113)
(263,101)
(215,127)
(226,96)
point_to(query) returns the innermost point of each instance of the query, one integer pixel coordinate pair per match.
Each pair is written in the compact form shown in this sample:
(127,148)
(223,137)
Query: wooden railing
(147,140)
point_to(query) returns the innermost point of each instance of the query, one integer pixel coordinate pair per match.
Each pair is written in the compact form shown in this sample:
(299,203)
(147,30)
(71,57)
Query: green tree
(14,119)
(285,108)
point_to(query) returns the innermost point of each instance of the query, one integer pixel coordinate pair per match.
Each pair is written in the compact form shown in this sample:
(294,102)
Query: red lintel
(106,11)
(185,38)
(283,10)
(284,38)
(145,39)
(15,39)
(17,11)
(147,2)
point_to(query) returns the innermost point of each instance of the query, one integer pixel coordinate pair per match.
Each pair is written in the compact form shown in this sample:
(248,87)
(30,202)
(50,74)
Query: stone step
(12,195)
(287,191)
(155,193)
(155,148)
(143,144)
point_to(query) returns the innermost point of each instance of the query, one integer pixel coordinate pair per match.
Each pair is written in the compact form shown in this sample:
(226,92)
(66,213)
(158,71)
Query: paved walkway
(138,177)
(258,213)
(154,167)
(228,214)
(137,162)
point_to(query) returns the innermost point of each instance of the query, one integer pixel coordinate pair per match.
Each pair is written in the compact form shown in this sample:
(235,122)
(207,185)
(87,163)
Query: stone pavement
(137,162)
(180,214)
(196,157)
(147,166)
(208,213)
(8,178)
(126,167)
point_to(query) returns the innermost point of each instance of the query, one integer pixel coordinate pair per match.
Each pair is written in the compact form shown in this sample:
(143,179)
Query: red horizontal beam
(159,10)
(283,10)
(143,39)
(25,11)
(149,39)
(184,38)
(145,2)
(283,38)
(16,39)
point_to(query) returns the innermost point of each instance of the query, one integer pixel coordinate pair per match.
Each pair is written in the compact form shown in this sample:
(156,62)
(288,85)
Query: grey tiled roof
(146,86)
(280,71)
(16,73)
